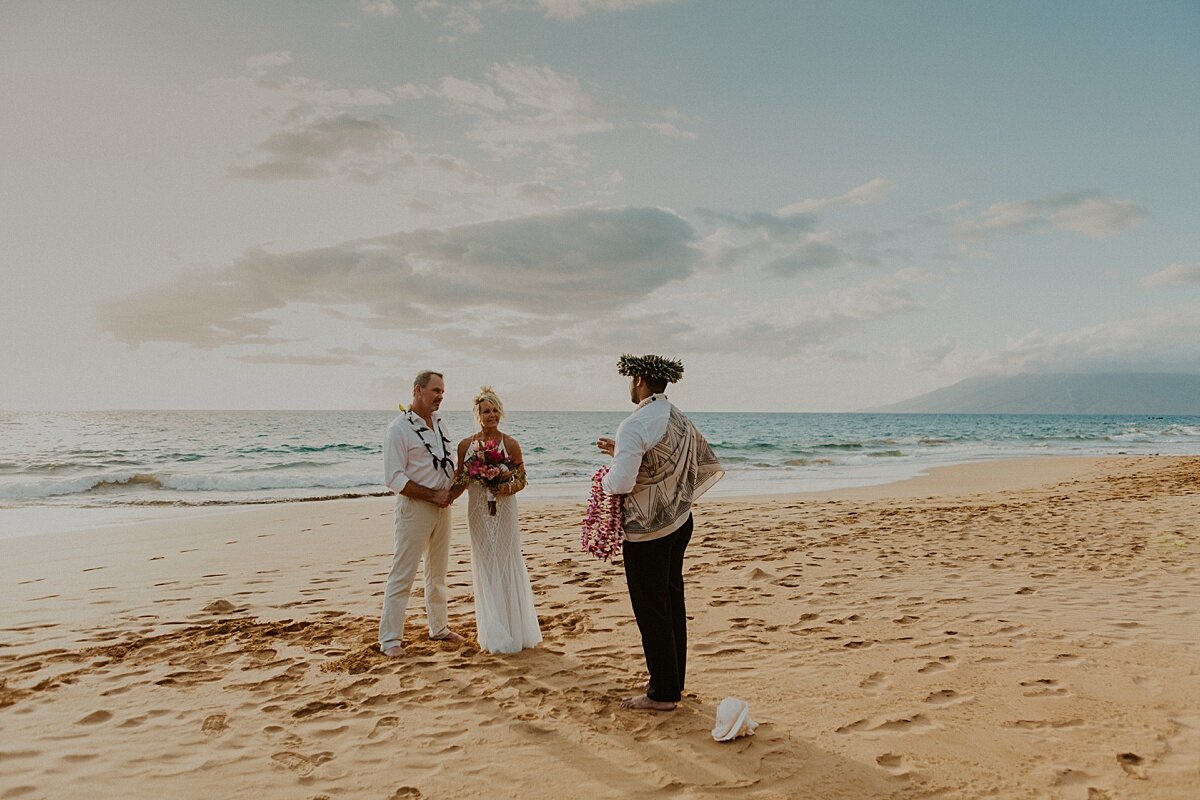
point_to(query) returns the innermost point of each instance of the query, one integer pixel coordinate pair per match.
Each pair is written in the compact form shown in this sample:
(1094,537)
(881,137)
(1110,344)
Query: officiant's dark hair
(656,386)
(423,377)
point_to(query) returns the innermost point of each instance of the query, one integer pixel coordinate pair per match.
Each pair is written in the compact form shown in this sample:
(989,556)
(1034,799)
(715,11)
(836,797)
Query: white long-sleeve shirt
(406,458)
(638,432)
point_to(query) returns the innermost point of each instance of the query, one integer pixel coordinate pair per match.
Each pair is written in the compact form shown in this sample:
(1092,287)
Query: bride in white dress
(505,619)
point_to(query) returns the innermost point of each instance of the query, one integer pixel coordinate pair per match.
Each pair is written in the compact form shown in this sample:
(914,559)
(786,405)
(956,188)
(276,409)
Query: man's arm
(439,497)
(627,460)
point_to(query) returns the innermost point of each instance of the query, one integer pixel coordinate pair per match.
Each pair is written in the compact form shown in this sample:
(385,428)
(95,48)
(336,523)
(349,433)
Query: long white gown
(505,619)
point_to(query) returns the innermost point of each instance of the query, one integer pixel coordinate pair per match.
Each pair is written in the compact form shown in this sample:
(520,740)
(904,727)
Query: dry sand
(1013,629)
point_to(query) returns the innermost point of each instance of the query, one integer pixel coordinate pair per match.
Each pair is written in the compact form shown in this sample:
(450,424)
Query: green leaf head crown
(651,367)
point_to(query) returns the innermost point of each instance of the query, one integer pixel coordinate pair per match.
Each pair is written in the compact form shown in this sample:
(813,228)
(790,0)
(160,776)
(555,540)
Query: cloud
(670,130)
(1155,339)
(815,325)
(328,360)
(361,149)
(261,64)
(469,93)
(786,244)
(931,357)
(317,130)
(573,9)
(805,327)
(538,193)
(1088,213)
(314,129)
(524,108)
(873,191)
(466,16)
(294,97)
(1097,217)
(1174,275)
(810,325)
(360,356)
(816,253)
(585,261)
(377,8)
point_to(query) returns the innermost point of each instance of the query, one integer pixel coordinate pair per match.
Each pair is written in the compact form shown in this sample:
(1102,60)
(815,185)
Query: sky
(816,206)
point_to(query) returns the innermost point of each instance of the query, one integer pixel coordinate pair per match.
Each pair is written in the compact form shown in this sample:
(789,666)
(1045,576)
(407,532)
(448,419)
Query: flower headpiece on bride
(655,368)
(486,395)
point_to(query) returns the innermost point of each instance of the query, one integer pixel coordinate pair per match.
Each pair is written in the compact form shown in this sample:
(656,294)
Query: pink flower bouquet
(488,466)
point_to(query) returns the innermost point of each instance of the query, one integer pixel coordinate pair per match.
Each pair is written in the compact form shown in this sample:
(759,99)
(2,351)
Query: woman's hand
(606,445)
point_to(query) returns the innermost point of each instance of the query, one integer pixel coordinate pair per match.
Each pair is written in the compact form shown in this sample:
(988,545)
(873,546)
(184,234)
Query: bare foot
(451,636)
(395,651)
(643,703)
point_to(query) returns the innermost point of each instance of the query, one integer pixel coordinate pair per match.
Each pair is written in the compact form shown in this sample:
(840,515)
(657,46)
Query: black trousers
(654,573)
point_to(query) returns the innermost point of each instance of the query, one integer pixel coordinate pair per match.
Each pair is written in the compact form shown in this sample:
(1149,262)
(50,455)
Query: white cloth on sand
(733,720)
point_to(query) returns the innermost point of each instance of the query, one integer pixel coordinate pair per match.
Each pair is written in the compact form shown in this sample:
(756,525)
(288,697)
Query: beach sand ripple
(997,630)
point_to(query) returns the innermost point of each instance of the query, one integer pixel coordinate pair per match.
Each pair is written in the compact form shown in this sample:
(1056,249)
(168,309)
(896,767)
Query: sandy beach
(1006,629)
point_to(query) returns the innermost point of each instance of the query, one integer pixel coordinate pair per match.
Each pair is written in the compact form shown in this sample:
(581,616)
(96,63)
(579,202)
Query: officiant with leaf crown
(660,465)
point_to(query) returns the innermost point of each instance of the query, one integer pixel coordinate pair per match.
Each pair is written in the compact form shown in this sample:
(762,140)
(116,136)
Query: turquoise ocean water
(62,464)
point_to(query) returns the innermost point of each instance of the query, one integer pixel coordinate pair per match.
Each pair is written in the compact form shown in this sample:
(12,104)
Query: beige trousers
(421,529)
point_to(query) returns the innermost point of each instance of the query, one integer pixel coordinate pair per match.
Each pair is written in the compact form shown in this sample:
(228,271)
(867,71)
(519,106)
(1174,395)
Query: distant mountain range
(1105,393)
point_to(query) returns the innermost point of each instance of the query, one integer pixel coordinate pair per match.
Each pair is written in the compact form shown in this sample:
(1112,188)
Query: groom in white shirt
(661,463)
(419,466)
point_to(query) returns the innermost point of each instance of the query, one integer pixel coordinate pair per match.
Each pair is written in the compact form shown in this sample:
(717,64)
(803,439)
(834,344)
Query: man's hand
(440,498)
(606,445)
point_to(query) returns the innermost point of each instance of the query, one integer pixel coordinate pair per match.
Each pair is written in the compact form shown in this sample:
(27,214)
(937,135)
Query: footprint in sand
(220,606)
(874,683)
(1043,687)
(317,707)
(301,764)
(95,718)
(1067,776)
(916,722)
(1132,764)
(716,649)
(894,763)
(1069,659)
(1046,724)
(214,725)
(942,664)
(384,726)
(946,697)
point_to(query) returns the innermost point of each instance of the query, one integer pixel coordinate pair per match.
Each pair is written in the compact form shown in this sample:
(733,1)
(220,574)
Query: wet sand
(1008,629)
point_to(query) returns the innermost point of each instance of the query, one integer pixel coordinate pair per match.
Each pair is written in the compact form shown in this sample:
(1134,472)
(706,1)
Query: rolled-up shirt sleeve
(627,459)
(395,461)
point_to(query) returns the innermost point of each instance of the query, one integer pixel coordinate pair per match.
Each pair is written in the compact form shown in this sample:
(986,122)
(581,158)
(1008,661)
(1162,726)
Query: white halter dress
(505,619)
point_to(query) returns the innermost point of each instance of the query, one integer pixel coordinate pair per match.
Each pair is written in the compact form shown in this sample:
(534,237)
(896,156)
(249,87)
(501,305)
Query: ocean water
(161,459)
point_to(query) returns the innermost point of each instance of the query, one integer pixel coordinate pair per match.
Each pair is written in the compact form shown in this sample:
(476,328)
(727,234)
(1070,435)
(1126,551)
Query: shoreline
(985,474)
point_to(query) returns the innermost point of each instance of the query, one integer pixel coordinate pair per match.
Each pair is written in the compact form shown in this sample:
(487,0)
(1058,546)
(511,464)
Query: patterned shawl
(674,473)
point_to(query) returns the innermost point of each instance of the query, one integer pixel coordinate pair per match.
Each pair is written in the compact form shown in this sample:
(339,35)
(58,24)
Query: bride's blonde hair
(486,395)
